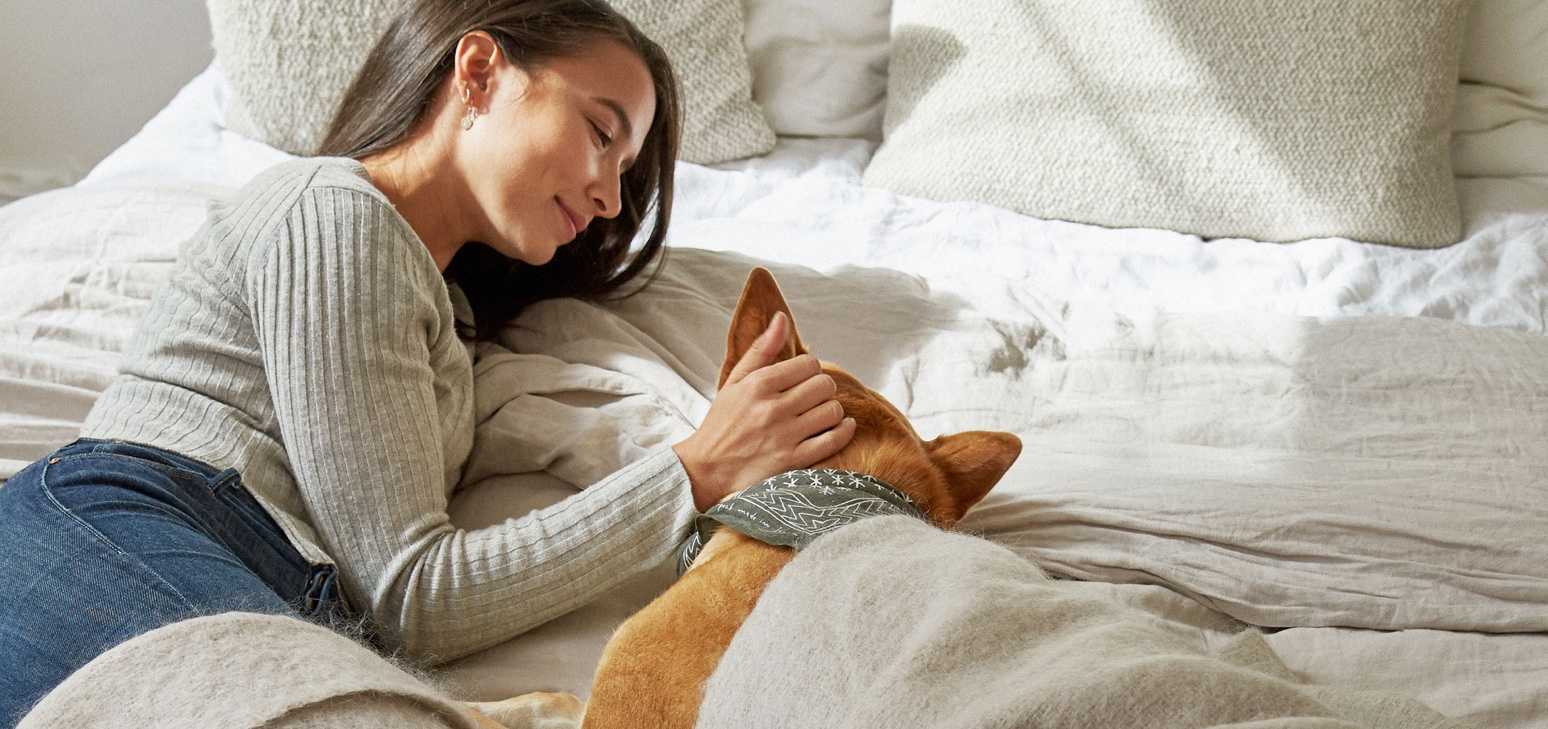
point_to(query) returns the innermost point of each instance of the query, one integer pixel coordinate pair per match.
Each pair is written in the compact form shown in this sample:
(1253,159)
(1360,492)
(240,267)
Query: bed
(1343,443)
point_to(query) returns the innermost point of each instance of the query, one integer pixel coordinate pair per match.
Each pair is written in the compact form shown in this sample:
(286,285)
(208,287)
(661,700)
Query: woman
(298,403)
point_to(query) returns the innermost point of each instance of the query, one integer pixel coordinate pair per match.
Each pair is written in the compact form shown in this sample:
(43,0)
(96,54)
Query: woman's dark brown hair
(396,87)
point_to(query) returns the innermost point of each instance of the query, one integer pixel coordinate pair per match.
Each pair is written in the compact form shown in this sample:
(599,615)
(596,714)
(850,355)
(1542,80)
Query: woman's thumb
(774,337)
(763,349)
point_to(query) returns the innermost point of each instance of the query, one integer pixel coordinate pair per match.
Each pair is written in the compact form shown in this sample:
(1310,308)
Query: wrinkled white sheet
(1366,472)
(1286,471)
(1144,417)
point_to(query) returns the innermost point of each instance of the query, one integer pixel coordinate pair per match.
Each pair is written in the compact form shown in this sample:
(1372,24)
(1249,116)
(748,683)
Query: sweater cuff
(673,475)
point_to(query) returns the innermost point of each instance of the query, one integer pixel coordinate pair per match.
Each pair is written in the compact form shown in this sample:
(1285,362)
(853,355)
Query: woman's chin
(530,254)
(538,257)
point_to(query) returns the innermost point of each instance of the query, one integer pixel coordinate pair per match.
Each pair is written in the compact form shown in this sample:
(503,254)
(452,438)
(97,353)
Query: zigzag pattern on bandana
(795,507)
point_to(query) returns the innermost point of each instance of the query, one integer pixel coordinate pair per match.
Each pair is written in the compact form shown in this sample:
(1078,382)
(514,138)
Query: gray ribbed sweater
(306,339)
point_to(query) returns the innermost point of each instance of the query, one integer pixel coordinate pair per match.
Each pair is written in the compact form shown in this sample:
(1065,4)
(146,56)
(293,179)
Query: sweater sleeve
(346,313)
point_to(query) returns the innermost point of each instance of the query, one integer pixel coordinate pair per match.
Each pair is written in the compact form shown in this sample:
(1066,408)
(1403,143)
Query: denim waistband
(127,447)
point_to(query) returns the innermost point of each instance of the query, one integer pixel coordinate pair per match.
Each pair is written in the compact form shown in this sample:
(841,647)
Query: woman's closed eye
(602,136)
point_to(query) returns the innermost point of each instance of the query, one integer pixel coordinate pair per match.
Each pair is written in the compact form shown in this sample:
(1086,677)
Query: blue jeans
(104,540)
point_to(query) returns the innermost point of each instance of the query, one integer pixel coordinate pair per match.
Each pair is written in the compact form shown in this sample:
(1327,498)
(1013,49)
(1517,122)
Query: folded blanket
(891,622)
(242,670)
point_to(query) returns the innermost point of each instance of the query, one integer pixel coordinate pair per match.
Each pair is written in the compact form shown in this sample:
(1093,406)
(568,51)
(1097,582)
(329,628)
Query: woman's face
(544,155)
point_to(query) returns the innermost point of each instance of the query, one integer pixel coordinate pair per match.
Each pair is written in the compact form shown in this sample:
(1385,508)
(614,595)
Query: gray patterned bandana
(793,508)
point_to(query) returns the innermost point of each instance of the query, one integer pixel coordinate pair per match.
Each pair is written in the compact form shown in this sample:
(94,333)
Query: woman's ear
(475,63)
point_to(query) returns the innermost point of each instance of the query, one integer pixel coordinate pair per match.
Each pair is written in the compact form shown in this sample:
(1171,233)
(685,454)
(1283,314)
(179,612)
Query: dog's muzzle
(793,508)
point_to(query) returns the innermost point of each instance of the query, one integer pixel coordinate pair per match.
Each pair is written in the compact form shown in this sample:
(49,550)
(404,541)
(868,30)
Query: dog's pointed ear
(973,462)
(760,299)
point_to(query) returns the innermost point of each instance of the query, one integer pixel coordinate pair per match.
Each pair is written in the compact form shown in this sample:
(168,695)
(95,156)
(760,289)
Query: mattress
(1221,433)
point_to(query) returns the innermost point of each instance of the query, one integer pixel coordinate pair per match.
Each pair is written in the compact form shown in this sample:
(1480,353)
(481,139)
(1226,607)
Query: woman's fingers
(782,376)
(763,350)
(808,394)
(824,444)
(822,417)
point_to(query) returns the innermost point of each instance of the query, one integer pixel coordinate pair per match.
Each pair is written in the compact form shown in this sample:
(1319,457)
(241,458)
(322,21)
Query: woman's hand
(766,419)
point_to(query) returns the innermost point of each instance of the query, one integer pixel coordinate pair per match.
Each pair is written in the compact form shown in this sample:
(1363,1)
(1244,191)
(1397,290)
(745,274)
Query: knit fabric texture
(289,63)
(243,671)
(704,40)
(306,339)
(1269,121)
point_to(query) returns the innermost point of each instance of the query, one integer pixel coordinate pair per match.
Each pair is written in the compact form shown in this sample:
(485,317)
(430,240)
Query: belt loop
(317,584)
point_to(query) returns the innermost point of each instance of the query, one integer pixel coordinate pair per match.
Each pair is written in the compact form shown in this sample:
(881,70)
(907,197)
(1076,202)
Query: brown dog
(653,670)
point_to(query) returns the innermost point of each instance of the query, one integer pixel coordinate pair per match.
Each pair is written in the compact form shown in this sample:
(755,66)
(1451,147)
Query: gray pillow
(1274,121)
(289,64)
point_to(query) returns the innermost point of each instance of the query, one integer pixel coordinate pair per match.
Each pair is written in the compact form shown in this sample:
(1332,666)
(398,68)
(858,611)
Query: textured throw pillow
(1501,125)
(290,61)
(1274,121)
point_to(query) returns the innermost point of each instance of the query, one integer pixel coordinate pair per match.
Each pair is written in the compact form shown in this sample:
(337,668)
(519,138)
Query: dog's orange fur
(653,670)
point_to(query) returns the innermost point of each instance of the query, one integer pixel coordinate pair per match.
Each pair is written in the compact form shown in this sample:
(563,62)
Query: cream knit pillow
(1274,121)
(290,61)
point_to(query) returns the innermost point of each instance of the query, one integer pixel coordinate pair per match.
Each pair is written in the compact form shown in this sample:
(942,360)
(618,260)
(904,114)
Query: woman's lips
(569,219)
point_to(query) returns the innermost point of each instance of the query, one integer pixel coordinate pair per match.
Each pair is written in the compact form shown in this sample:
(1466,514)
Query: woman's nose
(605,196)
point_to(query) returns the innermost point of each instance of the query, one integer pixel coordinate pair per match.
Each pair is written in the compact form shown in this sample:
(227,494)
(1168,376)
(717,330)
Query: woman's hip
(103,540)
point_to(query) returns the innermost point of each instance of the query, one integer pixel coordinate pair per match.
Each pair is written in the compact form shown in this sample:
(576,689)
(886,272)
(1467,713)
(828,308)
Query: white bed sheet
(803,204)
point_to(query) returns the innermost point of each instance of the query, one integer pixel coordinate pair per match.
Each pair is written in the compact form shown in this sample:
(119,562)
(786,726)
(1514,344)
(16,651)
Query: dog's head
(945,476)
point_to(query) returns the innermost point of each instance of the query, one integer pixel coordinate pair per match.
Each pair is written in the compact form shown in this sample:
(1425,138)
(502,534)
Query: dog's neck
(905,468)
(793,508)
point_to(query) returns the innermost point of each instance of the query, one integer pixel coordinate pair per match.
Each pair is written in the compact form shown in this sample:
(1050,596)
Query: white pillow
(1222,118)
(820,67)
(290,63)
(1501,124)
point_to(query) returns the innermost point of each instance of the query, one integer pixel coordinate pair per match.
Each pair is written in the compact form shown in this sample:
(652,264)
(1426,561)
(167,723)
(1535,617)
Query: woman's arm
(346,311)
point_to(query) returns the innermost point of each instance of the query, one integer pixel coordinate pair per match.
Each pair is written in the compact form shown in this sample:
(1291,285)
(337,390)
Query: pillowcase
(1221,118)
(1501,123)
(820,67)
(290,62)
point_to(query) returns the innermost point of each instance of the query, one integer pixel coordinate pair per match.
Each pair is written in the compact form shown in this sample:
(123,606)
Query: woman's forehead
(610,74)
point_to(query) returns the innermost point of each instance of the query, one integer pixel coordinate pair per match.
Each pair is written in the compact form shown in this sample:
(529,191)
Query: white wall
(80,78)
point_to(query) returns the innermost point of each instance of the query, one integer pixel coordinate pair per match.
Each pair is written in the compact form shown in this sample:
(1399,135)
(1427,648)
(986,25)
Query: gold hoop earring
(467,118)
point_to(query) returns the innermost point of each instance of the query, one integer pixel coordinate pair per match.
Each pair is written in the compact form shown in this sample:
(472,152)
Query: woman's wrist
(699,479)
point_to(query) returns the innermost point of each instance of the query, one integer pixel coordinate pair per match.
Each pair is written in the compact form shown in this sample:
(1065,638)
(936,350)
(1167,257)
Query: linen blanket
(892,622)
